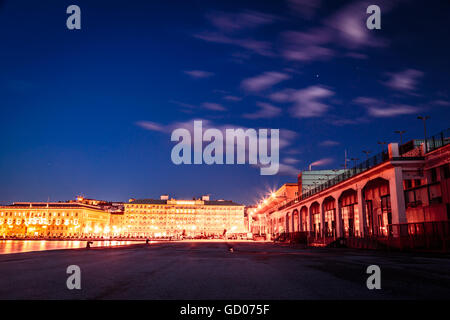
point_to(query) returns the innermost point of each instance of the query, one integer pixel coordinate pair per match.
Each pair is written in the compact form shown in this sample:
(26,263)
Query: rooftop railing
(348,173)
(437,141)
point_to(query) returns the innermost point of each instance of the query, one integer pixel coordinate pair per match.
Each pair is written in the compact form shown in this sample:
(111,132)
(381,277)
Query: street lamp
(400,132)
(424,119)
(367,152)
(354,161)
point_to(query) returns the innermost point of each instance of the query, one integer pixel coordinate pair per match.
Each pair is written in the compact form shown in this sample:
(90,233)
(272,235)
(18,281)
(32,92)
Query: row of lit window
(44,221)
(165,208)
(36,214)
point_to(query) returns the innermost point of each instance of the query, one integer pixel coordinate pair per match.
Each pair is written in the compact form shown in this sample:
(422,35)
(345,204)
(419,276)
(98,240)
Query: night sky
(91,111)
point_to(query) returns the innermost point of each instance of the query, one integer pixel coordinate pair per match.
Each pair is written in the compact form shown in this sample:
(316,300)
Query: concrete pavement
(209,270)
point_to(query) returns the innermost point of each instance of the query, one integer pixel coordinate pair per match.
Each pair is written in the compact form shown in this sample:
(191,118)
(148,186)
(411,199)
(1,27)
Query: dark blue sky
(90,111)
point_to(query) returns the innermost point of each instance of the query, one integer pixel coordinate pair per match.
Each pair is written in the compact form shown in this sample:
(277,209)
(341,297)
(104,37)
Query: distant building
(308,180)
(53,219)
(84,217)
(261,211)
(174,217)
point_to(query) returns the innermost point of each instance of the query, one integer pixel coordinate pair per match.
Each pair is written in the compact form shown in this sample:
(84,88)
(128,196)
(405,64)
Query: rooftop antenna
(345,159)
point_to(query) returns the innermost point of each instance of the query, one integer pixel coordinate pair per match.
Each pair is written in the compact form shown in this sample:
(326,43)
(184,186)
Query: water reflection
(14,246)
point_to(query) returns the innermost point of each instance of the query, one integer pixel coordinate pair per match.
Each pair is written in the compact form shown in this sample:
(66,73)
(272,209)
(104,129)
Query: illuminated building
(53,219)
(268,205)
(399,193)
(172,217)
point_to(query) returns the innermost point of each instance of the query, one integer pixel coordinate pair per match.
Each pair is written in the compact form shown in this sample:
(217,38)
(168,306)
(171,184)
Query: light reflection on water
(15,246)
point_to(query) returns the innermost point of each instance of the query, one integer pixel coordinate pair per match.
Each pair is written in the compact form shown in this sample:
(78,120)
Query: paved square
(209,270)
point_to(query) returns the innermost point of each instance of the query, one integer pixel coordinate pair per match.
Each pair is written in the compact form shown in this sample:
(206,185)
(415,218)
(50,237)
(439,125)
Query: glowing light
(184,202)
(273,195)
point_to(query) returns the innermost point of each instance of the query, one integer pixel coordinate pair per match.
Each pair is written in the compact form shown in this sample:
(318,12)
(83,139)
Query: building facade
(191,218)
(258,220)
(53,219)
(404,191)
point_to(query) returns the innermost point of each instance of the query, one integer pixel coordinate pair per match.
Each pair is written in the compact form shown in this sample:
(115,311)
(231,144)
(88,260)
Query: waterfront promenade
(210,270)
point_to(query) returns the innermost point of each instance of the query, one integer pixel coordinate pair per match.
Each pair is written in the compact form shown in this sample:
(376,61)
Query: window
(433,175)
(408,184)
(446,171)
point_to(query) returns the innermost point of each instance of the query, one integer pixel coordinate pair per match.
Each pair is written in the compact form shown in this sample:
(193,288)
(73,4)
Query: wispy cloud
(381,109)
(266,111)
(263,81)
(305,8)
(342,121)
(348,27)
(329,143)
(152,126)
(322,162)
(199,74)
(206,105)
(287,170)
(345,29)
(286,137)
(290,160)
(227,26)
(441,103)
(307,46)
(307,102)
(392,111)
(182,104)
(232,22)
(406,80)
(263,48)
(213,106)
(232,98)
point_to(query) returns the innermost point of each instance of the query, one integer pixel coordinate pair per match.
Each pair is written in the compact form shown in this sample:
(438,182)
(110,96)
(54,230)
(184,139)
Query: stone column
(339,232)
(322,218)
(309,219)
(361,211)
(299,220)
(397,197)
